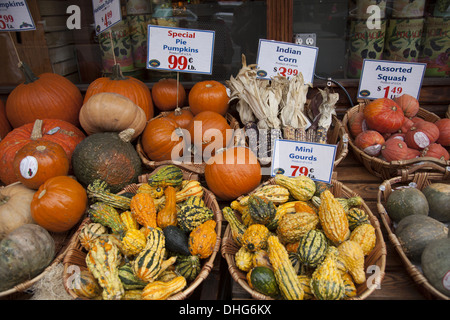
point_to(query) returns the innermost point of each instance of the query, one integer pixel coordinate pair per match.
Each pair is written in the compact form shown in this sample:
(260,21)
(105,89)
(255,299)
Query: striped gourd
(346,203)
(188,266)
(98,191)
(294,226)
(169,175)
(106,215)
(326,281)
(85,285)
(243,210)
(90,232)
(261,210)
(129,221)
(244,259)
(301,187)
(236,226)
(356,217)
(155,192)
(133,242)
(129,279)
(305,283)
(333,218)
(284,272)
(149,263)
(312,248)
(365,236)
(195,201)
(190,216)
(272,192)
(350,288)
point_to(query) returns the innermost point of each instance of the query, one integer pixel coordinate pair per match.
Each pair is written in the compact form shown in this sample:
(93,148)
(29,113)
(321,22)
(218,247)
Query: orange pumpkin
(370,141)
(435,150)
(59,131)
(38,161)
(5,126)
(59,204)
(182,116)
(130,87)
(209,132)
(232,173)
(394,150)
(162,139)
(49,96)
(357,124)
(208,95)
(409,105)
(384,115)
(168,94)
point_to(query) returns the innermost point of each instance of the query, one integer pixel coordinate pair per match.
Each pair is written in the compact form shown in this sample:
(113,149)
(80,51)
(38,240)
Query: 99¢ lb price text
(226,309)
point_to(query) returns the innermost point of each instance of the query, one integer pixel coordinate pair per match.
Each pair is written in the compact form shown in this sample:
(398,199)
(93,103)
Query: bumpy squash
(189,217)
(255,237)
(98,191)
(85,285)
(195,201)
(244,259)
(188,267)
(365,236)
(129,280)
(168,215)
(150,262)
(326,281)
(300,187)
(305,281)
(282,209)
(89,233)
(261,210)
(129,221)
(106,215)
(333,218)
(262,279)
(103,262)
(293,226)
(167,176)
(243,210)
(272,192)
(202,239)
(285,274)
(346,203)
(159,290)
(236,226)
(356,217)
(133,242)
(351,254)
(143,209)
(312,248)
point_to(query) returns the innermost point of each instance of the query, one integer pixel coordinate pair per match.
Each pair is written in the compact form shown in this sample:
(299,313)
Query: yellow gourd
(244,259)
(351,254)
(160,290)
(133,242)
(333,218)
(365,236)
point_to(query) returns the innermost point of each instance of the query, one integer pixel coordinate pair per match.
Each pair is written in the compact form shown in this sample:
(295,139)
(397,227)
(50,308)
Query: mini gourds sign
(15,16)
(180,50)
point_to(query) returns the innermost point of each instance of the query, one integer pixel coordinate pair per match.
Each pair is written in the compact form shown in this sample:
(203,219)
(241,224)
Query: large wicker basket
(76,254)
(62,243)
(189,166)
(380,167)
(421,179)
(376,258)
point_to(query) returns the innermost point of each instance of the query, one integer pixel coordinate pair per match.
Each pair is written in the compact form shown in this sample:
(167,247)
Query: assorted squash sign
(68,162)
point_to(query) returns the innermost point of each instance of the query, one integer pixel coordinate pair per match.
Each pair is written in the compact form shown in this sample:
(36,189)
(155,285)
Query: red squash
(59,131)
(394,150)
(384,115)
(444,131)
(5,126)
(406,125)
(357,123)
(435,150)
(409,105)
(370,142)
(422,134)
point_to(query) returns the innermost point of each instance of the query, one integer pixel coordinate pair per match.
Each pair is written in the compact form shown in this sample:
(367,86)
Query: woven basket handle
(424,166)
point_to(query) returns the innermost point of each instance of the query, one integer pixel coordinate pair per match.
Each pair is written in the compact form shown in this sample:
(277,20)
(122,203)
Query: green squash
(414,232)
(406,201)
(109,157)
(438,197)
(189,217)
(436,265)
(129,279)
(188,266)
(166,176)
(261,210)
(176,240)
(262,279)
(312,248)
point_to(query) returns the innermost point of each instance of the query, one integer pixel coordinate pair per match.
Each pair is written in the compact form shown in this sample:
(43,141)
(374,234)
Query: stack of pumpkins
(390,129)
(147,244)
(298,241)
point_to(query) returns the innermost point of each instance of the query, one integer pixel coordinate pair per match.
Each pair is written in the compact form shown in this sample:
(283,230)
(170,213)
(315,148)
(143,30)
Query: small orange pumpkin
(203,239)
(168,94)
(182,116)
(38,161)
(59,204)
(208,95)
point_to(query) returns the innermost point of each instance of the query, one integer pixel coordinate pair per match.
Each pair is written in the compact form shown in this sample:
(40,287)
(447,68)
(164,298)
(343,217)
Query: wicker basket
(421,179)
(189,166)
(62,243)
(76,254)
(376,258)
(379,167)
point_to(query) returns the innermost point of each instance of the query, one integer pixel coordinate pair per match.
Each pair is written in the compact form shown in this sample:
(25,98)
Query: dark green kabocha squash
(438,196)
(435,264)
(109,157)
(406,201)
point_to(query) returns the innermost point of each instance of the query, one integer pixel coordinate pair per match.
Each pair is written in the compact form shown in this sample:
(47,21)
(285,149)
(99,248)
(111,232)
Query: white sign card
(389,79)
(15,16)
(179,49)
(286,59)
(295,158)
(106,14)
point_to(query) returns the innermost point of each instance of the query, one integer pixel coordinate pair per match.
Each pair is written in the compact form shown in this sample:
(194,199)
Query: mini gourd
(333,218)
(202,239)
(107,216)
(167,176)
(301,187)
(255,237)
(159,290)
(236,226)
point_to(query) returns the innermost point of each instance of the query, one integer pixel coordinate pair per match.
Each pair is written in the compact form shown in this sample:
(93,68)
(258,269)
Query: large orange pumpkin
(168,94)
(208,95)
(59,204)
(209,132)
(49,96)
(162,139)
(384,115)
(5,126)
(59,131)
(39,161)
(232,173)
(130,87)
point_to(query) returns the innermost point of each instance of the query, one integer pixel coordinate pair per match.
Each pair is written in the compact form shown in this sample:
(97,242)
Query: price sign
(106,14)
(389,79)
(15,16)
(178,49)
(295,158)
(286,59)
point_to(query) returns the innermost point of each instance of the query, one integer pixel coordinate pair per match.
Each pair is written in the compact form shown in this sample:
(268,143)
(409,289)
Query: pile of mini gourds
(298,241)
(146,245)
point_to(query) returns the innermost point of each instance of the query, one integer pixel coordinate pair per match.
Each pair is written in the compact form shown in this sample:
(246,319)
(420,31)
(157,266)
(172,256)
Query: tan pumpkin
(111,112)
(15,200)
